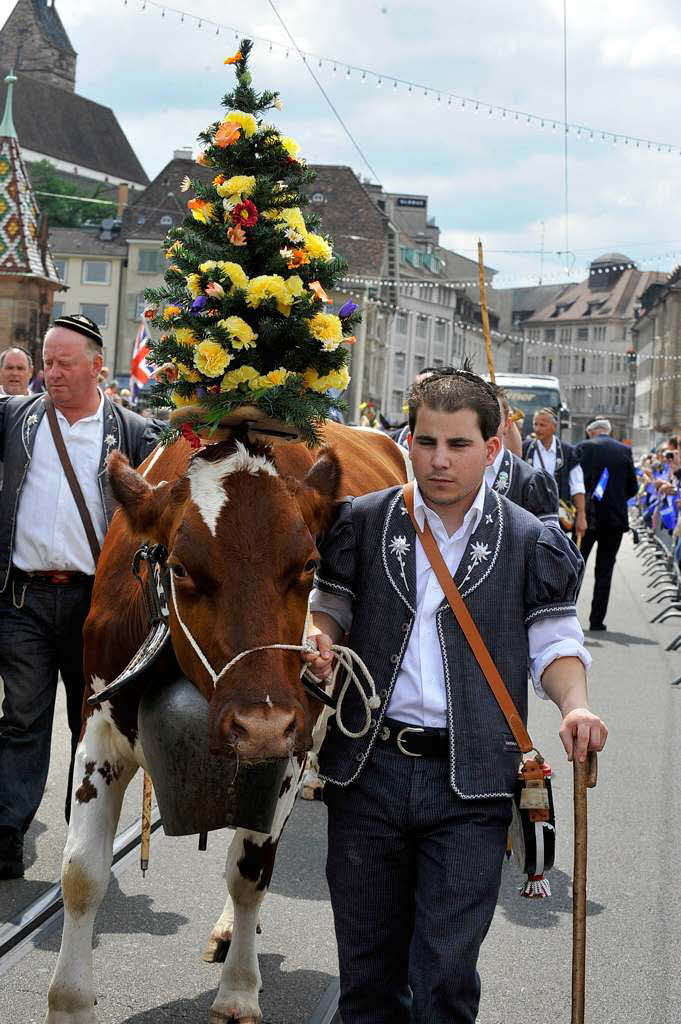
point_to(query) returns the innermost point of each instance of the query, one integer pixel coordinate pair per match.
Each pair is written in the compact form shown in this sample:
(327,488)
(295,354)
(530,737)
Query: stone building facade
(657,341)
(583,337)
(33,42)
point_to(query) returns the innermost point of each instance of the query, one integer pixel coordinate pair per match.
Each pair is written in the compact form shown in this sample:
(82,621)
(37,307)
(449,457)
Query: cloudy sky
(485,175)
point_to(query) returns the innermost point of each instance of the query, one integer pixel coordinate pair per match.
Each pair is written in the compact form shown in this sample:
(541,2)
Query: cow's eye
(178,571)
(311,565)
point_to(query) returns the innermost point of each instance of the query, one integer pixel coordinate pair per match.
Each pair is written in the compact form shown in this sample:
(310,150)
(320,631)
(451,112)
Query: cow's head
(242,555)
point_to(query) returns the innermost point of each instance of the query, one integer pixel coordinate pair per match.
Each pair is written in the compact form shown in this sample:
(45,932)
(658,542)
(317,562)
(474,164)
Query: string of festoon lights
(443,97)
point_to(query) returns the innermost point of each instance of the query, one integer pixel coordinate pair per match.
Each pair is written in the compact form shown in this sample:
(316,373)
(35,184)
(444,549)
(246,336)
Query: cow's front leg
(101,775)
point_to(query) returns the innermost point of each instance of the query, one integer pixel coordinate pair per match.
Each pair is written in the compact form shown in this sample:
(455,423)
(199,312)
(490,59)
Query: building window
(402,323)
(60,266)
(317,197)
(550,334)
(582,334)
(566,335)
(151,261)
(583,365)
(166,220)
(400,363)
(57,309)
(419,363)
(397,400)
(421,327)
(96,272)
(549,369)
(141,218)
(440,330)
(97,311)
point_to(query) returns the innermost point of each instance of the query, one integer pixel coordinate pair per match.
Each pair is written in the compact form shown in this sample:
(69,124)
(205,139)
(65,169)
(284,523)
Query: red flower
(188,434)
(245,214)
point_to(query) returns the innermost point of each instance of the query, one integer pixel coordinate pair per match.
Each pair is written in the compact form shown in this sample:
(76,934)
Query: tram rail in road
(45,914)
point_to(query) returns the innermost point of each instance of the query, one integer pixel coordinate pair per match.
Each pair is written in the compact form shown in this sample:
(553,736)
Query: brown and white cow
(239,522)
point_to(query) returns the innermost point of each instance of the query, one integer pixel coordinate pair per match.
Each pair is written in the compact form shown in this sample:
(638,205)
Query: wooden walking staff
(585,777)
(485,316)
(146,823)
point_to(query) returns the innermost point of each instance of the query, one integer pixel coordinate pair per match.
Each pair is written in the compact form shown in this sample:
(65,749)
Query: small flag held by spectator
(599,489)
(140,369)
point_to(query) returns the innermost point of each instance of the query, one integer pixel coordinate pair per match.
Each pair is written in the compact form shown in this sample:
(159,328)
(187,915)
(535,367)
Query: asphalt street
(150,931)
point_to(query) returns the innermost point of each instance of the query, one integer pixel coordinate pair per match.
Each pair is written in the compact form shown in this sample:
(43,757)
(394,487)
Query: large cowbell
(197,790)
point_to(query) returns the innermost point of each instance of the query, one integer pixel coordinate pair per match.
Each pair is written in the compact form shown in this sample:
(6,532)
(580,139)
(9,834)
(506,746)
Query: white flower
(399,546)
(502,481)
(489,519)
(185,184)
(480,552)
(32,419)
(109,440)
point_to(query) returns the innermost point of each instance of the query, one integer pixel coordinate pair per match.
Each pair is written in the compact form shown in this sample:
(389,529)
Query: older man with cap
(16,367)
(610,481)
(54,512)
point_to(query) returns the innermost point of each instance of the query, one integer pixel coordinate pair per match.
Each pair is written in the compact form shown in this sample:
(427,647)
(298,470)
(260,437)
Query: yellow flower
(194,284)
(295,285)
(173,248)
(337,379)
(185,336)
(186,371)
(179,400)
(278,377)
(269,286)
(328,329)
(210,359)
(239,185)
(234,272)
(293,219)
(201,210)
(206,267)
(248,123)
(291,146)
(311,379)
(232,379)
(241,335)
(318,248)
(171,311)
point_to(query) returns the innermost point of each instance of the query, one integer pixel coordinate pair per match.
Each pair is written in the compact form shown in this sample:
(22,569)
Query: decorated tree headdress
(242,316)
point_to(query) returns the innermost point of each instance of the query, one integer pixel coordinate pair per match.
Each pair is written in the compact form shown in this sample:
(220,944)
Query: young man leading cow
(419,807)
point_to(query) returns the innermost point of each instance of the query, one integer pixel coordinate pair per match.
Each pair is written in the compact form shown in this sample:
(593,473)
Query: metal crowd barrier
(655,551)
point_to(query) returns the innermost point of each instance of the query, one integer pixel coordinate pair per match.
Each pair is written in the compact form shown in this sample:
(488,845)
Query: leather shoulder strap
(470,630)
(72,479)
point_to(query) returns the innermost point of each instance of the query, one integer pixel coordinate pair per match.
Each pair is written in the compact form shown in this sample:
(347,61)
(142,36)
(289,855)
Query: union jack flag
(140,369)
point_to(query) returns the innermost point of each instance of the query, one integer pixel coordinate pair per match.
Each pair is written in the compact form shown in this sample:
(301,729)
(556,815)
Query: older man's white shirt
(49,533)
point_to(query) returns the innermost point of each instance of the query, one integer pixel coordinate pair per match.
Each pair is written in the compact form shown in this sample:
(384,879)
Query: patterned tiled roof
(20,248)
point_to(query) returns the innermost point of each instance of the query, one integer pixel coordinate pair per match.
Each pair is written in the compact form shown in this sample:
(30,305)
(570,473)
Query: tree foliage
(62,211)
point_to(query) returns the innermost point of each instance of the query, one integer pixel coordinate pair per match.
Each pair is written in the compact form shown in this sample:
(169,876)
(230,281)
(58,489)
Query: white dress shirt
(49,533)
(492,472)
(419,696)
(576,477)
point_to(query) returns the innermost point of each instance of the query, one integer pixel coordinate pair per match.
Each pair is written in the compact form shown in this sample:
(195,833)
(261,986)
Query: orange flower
(227,133)
(298,258)
(351,340)
(237,56)
(315,287)
(218,179)
(203,160)
(236,235)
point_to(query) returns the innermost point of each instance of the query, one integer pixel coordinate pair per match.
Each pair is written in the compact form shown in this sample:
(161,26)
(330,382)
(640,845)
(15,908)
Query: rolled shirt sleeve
(576,480)
(552,638)
(338,606)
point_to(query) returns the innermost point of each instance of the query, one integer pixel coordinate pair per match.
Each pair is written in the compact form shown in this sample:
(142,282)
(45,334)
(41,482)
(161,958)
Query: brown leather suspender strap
(72,479)
(470,630)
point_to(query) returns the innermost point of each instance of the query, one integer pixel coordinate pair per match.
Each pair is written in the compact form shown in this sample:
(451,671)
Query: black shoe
(597,627)
(11,855)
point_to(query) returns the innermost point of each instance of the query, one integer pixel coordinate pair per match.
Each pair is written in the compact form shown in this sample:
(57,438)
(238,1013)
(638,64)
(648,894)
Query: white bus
(532,391)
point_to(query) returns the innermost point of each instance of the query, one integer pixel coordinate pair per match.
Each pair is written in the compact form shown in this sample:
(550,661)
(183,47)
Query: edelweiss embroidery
(31,420)
(501,482)
(479,553)
(399,546)
(109,440)
(489,519)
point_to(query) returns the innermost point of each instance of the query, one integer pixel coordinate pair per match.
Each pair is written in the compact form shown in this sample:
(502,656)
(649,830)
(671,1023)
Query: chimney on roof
(183,154)
(122,199)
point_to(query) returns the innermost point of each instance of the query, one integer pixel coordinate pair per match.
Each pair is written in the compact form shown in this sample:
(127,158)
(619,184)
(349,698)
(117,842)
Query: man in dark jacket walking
(607,519)
(47,565)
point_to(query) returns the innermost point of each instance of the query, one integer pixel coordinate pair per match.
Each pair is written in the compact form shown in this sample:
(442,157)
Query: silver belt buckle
(400,747)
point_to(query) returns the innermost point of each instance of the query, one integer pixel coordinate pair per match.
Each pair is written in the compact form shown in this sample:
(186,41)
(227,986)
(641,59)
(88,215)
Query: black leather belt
(58,577)
(413,740)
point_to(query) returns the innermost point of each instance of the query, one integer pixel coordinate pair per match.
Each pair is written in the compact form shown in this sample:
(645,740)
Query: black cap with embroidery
(81,325)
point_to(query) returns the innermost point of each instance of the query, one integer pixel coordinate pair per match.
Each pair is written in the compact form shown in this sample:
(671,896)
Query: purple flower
(200,392)
(198,304)
(348,309)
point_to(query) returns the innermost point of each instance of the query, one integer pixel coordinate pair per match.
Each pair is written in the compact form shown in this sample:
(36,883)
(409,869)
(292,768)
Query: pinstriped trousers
(414,874)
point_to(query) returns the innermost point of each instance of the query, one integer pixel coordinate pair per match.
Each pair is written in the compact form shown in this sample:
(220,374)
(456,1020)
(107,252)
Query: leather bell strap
(72,479)
(470,630)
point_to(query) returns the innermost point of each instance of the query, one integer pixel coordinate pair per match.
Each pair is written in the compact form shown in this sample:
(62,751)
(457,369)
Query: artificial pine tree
(241,315)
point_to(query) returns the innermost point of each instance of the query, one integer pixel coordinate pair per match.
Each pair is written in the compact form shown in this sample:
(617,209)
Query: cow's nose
(258,733)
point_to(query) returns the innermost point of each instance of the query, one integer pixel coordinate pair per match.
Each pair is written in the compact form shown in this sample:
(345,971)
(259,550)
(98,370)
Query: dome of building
(613,259)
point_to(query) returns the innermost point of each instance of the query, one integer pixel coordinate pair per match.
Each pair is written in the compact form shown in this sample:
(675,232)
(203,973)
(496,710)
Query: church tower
(34,43)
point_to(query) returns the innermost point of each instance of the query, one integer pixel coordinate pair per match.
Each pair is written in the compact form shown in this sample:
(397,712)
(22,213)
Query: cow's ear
(318,493)
(147,508)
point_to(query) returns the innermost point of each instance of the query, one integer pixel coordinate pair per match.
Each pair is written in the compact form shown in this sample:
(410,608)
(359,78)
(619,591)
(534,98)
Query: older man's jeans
(41,635)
